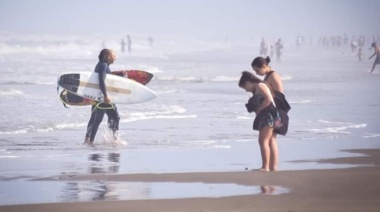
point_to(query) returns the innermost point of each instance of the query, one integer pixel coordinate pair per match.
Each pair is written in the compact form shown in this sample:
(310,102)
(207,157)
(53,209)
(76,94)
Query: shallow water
(197,123)
(27,192)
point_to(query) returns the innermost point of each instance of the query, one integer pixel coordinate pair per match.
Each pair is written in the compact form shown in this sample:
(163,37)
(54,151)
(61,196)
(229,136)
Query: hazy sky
(192,17)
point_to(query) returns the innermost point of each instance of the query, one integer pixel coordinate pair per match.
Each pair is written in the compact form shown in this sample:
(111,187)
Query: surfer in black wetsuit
(106,57)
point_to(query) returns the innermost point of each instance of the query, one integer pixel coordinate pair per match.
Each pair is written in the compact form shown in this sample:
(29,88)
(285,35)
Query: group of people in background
(128,43)
(272,49)
(356,45)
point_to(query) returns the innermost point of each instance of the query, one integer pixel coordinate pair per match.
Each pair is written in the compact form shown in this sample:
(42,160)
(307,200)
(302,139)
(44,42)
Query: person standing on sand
(267,118)
(261,66)
(106,58)
(377,53)
(122,43)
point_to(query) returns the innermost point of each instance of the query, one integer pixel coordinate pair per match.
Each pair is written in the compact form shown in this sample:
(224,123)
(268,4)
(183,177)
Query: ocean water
(197,123)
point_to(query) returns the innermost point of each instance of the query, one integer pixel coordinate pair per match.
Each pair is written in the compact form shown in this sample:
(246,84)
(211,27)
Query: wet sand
(353,189)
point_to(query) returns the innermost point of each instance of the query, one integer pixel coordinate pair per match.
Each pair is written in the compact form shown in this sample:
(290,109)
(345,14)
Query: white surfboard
(120,90)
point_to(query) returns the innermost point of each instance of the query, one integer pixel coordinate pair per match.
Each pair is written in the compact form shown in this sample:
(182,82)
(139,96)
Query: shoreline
(351,189)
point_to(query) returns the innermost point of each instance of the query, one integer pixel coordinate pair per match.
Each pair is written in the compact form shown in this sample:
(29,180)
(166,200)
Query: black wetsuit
(97,113)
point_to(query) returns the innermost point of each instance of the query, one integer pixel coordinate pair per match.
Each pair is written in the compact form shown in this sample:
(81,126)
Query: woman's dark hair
(104,54)
(248,77)
(259,62)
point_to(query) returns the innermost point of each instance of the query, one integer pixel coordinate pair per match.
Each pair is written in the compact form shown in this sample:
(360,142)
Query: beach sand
(352,189)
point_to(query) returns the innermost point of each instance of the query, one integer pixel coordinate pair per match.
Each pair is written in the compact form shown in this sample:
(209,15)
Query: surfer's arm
(102,76)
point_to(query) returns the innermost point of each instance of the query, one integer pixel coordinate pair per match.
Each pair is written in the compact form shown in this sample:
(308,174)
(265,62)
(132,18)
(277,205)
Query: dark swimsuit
(283,108)
(266,117)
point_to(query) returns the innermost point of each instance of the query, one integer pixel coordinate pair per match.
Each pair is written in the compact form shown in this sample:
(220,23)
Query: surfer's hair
(247,76)
(259,62)
(104,55)
(373,44)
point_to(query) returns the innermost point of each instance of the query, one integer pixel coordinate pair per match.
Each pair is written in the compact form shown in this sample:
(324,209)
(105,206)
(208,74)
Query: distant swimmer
(263,48)
(278,47)
(360,55)
(377,53)
(129,43)
(298,41)
(271,51)
(354,44)
(150,41)
(122,43)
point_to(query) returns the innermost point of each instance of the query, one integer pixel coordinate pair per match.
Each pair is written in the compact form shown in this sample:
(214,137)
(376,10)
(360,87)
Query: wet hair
(373,44)
(104,55)
(248,77)
(260,62)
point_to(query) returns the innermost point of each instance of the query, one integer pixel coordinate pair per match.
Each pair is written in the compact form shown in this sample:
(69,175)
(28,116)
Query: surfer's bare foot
(86,141)
(90,144)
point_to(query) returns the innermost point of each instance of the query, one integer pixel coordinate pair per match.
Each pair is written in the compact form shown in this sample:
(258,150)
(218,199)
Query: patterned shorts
(270,118)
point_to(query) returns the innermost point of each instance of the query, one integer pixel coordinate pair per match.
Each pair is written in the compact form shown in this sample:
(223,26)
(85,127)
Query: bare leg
(265,135)
(373,67)
(273,153)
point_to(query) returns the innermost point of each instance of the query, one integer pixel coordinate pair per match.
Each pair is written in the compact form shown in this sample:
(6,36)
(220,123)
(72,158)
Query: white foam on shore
(163,112)
(337,129)
(301,101)
(31,128)
(225,79)
(244,117)
(371,135)
(63,126)
(199,79)
(286,78)
(14,132)
(168,90)
(11,92)
(9,156)
(180,79)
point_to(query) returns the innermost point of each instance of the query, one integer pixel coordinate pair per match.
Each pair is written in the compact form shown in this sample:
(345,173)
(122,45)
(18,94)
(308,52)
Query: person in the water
(377,54)
(106,58)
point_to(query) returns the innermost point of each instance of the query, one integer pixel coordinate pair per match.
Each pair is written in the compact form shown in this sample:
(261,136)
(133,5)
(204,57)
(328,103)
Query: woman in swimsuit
(266,118)
(261,66)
